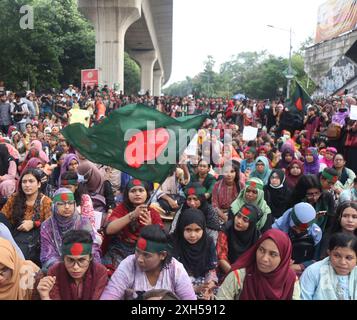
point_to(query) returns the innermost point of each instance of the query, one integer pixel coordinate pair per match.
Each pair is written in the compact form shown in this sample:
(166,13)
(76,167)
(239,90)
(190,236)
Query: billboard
(90,77)
(334,18)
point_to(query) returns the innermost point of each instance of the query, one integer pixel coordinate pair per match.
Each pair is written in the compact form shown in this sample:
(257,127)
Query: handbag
(30,242)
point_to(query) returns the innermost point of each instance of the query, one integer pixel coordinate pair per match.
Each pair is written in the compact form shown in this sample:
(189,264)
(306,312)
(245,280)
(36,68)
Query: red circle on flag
(142,243)
(77,249)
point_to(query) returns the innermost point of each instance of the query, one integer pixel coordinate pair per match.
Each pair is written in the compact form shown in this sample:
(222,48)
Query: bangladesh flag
(299,98)
(135,139)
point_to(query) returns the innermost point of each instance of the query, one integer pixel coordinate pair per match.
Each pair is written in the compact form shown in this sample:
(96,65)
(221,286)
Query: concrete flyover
(142,28)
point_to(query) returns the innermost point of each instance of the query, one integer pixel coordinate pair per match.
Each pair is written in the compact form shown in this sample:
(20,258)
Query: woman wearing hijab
(64,217)
(312,162)
(253,194)
(263,272)
(196,251)
(262,169)
(276,193)
(287,156)
(14,273)
(327,160)
(70,163)
(77,276)
(98,188)
(8,170)
(238,236)
(293,173)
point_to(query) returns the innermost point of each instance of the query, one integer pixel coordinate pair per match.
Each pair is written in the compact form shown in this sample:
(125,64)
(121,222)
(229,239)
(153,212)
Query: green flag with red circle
(135,139)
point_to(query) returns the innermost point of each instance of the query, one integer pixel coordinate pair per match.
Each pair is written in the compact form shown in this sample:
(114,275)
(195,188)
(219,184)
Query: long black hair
(308,181)
(19,207)
(336,222)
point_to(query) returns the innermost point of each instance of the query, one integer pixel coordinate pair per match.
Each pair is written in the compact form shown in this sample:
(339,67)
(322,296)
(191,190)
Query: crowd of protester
(270,218)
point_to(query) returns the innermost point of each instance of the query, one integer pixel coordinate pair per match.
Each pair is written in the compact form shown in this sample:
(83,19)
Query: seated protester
(267,264)
(262,170)
(287,156)
(345,175)
(309,190)
(35,150)
(57,161)
(277,193)
(169,195)
(226,190)
(312,162)
(349,194)
(6,234)
(204,178)
(84,205)
(195,199)
(196,251)
(151,267)
(26,210)
(327,160)
(8,170)
(293,173)
(328,178)
(238,235)
(124,224)
(17,274)
(335,277)
(344,221)
(64,218)
(305,235)
(248,163)
(99,189)
(77,276)
(70,163)
(253,194)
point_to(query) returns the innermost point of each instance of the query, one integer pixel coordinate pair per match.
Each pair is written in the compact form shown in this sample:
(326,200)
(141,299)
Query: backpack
(303,247)
(18,108)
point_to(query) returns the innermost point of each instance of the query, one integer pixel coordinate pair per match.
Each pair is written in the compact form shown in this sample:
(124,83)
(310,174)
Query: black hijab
(5,158)
(277,197)
(240,241)
(194,257)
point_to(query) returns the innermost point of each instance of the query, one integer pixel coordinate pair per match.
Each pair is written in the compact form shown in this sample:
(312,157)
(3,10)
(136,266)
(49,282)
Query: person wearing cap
(64,217)
(151,267)
(122,227)
(76,276)
(299,223)
(263,272)
(253,193)
(238,235)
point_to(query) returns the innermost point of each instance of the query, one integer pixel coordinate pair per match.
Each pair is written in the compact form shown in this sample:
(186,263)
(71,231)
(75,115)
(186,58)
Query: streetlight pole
(290,75)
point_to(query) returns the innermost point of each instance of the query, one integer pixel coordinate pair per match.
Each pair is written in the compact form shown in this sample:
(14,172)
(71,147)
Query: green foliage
(53,53)
(131,75)
(255,74)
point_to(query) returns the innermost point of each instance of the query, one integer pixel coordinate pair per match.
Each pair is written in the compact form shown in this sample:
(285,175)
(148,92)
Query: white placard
(191,150)
(250,133)
(98,219)
(353,113)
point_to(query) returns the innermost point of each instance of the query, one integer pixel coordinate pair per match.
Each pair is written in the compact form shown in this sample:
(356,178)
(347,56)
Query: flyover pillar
(111,20)
(146,60)
(157,82)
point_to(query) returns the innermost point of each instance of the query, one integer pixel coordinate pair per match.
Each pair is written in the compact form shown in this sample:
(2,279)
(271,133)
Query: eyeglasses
(81,262)
(64,203)
(5,272)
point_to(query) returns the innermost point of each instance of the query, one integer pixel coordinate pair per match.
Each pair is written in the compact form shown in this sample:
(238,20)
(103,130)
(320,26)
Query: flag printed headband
(194,190)
(63,197)
(135,183)
(254,184)
(329,177)
(151,246)
(246,212)
(76,249)
(72,182)
(298,223)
